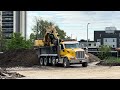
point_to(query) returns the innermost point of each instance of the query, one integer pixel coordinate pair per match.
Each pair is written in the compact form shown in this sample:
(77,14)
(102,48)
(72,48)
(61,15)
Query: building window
(7,30)
(7,24)
(98,40)
(113,46)
(7,13)
(100,35)
(7,18)
(94,44)
(89,44)
(7,35)
(113,40)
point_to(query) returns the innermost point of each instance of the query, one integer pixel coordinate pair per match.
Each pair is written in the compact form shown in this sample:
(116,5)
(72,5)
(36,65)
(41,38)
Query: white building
(110,36)
(91,44)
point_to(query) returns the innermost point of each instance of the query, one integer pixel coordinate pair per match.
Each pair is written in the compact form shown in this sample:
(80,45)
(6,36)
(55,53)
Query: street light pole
(87,36)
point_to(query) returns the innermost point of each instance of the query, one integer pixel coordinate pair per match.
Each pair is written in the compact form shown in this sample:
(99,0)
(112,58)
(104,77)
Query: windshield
(75,45)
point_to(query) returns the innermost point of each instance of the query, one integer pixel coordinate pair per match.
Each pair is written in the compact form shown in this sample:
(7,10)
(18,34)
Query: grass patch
(112,60)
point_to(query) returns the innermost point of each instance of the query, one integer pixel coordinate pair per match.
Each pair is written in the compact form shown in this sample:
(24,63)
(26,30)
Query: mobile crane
(52,50)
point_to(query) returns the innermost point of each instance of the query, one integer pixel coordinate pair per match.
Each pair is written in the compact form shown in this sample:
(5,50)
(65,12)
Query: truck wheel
(49,61)
(46,61)
(41,61)
(66,63)
(53,61)
(85,64)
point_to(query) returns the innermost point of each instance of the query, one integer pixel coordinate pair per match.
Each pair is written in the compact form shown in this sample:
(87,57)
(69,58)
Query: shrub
(104,52)
(112,60)
(18,42)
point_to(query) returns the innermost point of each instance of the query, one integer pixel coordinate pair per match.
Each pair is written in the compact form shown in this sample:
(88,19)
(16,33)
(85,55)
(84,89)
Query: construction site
(49,59)
(25,61)
(49,51)
(51,54)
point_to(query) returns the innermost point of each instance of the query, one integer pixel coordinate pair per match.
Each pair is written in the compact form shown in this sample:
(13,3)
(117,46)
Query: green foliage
(2,40)
(60,32)
(40,28)
(112,60)
(32,38)
(18,42)
(104,52)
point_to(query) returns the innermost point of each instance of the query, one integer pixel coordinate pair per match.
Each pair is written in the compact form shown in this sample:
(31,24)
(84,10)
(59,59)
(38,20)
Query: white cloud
(75,22)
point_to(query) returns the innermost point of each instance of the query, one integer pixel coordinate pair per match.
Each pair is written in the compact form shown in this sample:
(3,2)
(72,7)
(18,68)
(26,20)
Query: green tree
(40,28)
(104,52)
(32,37)
(18,42)
(2,40)
(60,32)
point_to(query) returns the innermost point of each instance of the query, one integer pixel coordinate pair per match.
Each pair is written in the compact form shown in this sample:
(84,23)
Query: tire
(66,63)
(45,61)
(42,61)
(85,64)
(53,61)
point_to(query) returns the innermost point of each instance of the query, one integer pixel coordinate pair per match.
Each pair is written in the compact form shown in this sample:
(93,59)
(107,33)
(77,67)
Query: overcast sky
(75,22)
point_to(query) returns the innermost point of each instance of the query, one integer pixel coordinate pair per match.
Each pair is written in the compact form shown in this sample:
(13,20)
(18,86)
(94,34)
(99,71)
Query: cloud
(75,22)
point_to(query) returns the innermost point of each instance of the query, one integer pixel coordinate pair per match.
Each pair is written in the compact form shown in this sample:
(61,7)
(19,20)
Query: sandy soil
(74,72)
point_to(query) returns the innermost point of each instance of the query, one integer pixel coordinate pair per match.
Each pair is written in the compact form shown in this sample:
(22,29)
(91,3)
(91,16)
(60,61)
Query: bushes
(18,42)
(104,52)
(112,60)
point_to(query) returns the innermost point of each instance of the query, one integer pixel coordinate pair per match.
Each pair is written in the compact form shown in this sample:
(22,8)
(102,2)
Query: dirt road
(74,72)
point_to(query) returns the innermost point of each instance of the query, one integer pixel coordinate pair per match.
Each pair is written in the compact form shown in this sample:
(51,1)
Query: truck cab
(71,51)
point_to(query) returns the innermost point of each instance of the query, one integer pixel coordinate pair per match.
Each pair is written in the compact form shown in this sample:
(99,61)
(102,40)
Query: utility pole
(37,30)
(87,36)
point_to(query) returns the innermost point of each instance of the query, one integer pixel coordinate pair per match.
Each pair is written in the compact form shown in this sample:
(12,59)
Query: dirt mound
(18,58)
(92,58)
(4,74)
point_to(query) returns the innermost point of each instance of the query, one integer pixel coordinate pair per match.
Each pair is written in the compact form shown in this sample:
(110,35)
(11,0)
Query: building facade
(13,21)
(111,37)
(92,45)
(0,17)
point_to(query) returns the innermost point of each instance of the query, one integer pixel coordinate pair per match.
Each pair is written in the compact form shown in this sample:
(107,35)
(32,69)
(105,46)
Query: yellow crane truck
(52,50)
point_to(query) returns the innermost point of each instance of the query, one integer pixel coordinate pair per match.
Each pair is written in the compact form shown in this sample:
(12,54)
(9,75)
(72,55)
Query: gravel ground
(74,72)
